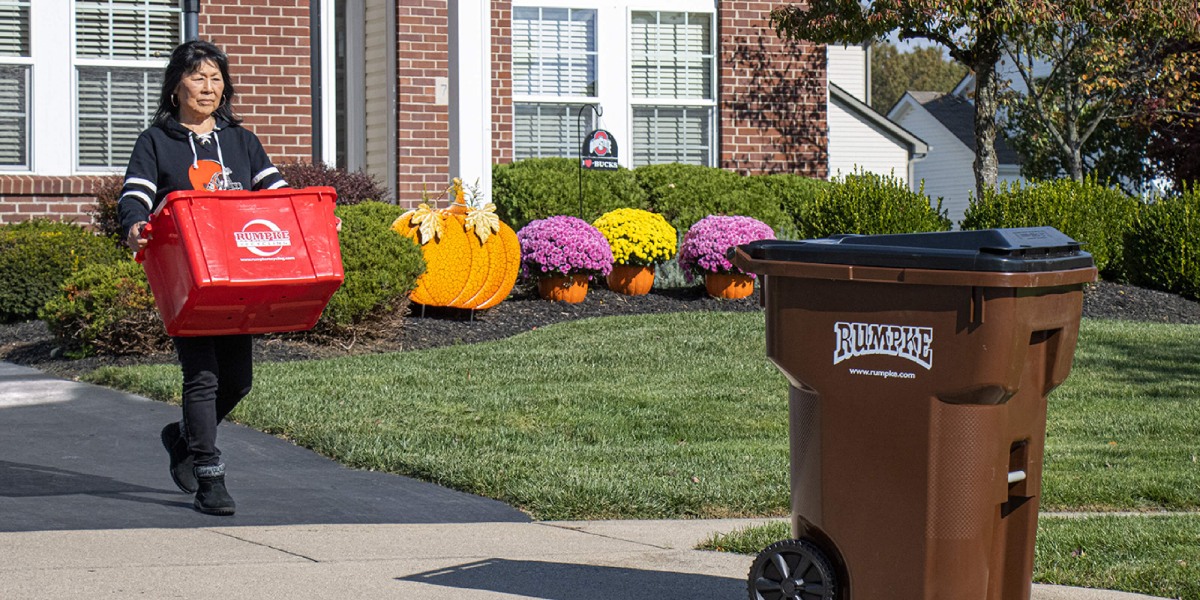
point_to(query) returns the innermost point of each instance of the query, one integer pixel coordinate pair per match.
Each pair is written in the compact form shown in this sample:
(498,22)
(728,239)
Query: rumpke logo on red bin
(262,238)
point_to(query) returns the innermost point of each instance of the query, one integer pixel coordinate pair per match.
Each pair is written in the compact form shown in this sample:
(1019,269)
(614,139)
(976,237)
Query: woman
(196,142)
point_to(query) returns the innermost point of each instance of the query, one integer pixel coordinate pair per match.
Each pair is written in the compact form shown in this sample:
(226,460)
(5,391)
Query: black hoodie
(168,157)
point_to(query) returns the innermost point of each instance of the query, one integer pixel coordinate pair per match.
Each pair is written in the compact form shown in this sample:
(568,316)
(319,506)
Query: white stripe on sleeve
(140,196)
(264,174)
(278,184)
(143,183)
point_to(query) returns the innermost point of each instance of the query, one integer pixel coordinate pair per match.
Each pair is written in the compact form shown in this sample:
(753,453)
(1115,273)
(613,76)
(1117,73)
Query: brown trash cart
(919,366)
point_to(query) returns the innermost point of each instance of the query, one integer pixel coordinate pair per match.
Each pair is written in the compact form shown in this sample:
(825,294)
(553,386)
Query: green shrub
(684,194)
(1163,245)
(37,256)
(868,203)
(381,267)
(537,188)
(794,193)
(352,187)
(1091,213)
(106,309)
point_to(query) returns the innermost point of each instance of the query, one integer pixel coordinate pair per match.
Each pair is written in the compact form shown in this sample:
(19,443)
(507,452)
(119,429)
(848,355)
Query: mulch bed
(30,343)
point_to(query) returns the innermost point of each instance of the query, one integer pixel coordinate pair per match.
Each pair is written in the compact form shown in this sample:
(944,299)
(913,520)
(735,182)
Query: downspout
(191,19)
(314,26)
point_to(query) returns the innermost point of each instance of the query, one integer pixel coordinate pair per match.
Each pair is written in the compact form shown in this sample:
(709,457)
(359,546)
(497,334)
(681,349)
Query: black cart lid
(1019,250)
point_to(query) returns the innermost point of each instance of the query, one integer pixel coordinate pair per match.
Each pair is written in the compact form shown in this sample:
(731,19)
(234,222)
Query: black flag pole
(599,111)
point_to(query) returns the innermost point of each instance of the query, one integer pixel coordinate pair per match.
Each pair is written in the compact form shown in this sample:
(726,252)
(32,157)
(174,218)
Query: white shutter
(14,116)
(114,105)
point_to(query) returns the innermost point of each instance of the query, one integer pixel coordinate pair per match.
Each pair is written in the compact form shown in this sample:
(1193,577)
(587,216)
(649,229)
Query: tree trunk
(986,87)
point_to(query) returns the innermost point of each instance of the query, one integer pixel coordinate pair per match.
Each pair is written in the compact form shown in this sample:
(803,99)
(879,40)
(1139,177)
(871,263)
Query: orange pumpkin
(471,257)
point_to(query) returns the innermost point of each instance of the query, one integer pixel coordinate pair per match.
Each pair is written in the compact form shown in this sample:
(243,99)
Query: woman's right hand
(135,241)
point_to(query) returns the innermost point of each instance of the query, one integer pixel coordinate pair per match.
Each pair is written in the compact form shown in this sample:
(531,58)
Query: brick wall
(772,96)
(268,45)
(23,197)
(269,48)
(502,109)
(423,127)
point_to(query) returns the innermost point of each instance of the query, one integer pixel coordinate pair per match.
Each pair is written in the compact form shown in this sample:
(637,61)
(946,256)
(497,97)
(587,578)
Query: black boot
(212,498)
(181,459)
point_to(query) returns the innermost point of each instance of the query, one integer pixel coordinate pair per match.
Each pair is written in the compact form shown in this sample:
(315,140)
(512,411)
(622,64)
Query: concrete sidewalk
(622,560)
(87,510)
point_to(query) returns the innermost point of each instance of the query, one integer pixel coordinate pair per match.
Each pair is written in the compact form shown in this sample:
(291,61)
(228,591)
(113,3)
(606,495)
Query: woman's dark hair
(188,57)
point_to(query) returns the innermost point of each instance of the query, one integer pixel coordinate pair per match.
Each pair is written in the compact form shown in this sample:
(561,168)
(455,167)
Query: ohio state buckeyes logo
(262,237)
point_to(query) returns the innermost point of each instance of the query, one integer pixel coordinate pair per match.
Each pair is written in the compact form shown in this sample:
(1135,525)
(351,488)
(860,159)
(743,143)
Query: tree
(977,34)
(1113,66)
(894,72)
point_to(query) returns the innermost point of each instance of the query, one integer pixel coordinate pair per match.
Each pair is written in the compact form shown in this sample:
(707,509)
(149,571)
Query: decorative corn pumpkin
(471,257)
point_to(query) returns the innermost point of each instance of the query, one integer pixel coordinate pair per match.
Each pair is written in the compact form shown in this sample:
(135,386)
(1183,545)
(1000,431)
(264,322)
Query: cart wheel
(792,570)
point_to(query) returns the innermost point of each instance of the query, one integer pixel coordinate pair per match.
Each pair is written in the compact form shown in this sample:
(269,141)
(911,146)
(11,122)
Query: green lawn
(680,415)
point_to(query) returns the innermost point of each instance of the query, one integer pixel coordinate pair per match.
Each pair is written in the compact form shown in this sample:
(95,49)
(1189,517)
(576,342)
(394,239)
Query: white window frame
(53,139)
(576,120)
(613,63)
(709,103)
(27,62)
(103,63)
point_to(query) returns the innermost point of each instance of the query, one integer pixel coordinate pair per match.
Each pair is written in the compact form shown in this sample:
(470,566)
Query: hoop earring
(222,102)
(174,102)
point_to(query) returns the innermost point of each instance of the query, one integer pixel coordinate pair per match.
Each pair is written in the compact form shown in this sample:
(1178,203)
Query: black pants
(217,374)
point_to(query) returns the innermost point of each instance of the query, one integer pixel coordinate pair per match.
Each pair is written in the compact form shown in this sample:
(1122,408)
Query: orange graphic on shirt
(207,175)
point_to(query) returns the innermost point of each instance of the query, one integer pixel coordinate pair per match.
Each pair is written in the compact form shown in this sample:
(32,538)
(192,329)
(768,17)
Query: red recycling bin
(231,262)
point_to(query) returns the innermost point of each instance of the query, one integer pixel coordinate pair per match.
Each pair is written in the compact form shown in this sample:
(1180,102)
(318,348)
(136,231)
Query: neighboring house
(947,123)
(861,139)
(413,92)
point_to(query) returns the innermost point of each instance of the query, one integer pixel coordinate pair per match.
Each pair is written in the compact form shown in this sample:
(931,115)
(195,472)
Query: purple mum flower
(706,245)
(563,246)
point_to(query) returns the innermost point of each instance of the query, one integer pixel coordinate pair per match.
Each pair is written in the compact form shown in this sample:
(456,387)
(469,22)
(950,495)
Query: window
(14,84)
(671,71)
(652,72)
(554,75)
(121,47)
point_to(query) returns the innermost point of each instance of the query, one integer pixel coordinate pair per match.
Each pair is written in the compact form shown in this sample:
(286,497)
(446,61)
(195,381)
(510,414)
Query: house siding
(848,69)
(855,144)
(946,172)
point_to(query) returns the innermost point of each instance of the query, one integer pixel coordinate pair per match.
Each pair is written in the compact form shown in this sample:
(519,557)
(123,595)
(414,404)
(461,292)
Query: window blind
(115,105)
(14,84)
(672,134)
(554,51)
(671,55)
(126,29)
(14,28)
(14,116)
(548,130)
